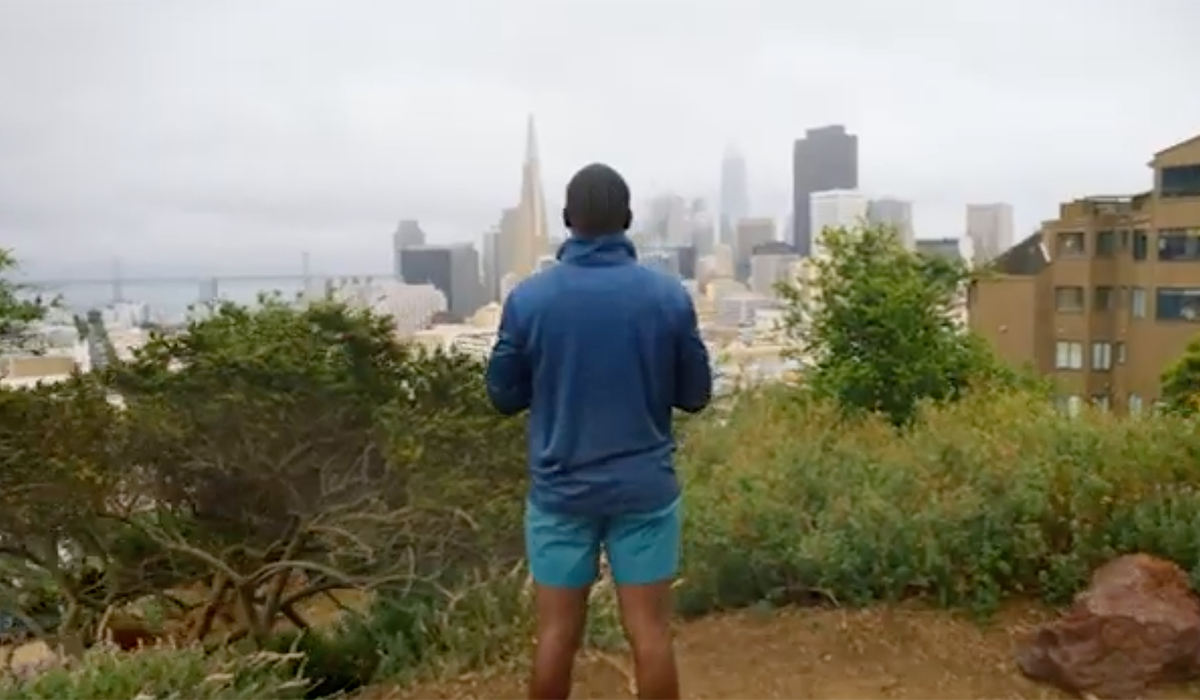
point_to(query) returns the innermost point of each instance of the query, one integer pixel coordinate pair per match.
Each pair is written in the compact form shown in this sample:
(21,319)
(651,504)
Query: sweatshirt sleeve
(693,373)
(508,376)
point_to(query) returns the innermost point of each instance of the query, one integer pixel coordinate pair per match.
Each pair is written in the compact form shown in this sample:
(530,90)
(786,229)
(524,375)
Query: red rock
(1137,624)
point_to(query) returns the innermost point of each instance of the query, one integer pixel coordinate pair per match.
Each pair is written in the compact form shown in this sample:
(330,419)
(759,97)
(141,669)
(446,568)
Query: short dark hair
(597,202)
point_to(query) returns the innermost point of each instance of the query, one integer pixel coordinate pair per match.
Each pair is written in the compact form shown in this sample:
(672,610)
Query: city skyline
(220,137)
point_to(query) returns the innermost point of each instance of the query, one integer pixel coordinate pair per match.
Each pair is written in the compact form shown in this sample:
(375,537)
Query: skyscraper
(490,262)
(896,213)
(825,159)
(408,234)
(833,209)
(533,235)
(735,194)
(453,269)
(990,230)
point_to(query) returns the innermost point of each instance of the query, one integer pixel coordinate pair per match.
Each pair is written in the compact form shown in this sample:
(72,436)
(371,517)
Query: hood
(600,251)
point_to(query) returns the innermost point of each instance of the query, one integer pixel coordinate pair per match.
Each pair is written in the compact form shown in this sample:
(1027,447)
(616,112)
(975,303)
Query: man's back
(610,348)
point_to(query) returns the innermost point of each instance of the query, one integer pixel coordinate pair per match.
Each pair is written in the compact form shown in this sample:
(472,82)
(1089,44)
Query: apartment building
(1104,297)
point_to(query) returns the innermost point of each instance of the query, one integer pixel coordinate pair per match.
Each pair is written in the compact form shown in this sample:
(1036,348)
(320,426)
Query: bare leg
(646,616)
(561,616)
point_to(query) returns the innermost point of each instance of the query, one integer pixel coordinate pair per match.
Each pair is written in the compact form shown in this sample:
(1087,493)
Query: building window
(1137,302)
(1141,245)
(1177,304)
(1068,299)
(1119,351)
(1101,401)
(1069,244)
(1102,356)
(1104,299)
(1068,405)
(1179,181)
(1135,405)
(1178,244)
(1068,355)
(1106,243)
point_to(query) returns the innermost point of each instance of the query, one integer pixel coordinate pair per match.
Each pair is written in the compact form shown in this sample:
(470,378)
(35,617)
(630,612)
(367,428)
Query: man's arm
(693,373)
(508,376)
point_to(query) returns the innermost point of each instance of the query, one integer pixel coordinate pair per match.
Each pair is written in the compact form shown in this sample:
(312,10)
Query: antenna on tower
(118,288)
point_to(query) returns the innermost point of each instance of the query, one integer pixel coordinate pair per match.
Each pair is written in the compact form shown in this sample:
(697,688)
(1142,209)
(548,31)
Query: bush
(1181,381)
(997,495)
(427,632)
(161,674)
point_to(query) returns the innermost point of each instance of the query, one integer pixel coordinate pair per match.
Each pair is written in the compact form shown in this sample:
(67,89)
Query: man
(600,349)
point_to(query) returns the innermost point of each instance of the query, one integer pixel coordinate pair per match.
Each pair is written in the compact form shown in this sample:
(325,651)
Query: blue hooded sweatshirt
(599,349)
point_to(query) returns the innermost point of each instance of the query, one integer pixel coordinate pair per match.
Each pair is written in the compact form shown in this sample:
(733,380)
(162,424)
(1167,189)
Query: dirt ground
(844,655)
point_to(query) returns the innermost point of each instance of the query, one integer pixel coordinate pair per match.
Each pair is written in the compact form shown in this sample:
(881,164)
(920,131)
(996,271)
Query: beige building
(1107,294)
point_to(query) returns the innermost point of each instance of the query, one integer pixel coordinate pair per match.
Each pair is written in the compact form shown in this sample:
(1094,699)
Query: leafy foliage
(61,474)
(994,496)
(106,674)
(285,450)
(16,311)
(1181,381)
(237,470)
(876,325)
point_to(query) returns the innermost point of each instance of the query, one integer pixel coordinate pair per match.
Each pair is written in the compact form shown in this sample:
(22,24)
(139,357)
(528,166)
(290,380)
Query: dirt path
(846,655)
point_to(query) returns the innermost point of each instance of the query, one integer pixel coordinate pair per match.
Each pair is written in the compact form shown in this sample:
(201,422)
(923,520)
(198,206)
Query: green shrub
(436,632)
(161,674)
(997,495)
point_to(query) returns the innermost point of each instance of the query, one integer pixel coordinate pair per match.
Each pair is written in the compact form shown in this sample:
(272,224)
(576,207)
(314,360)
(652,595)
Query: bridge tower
(118,285)
(209,290)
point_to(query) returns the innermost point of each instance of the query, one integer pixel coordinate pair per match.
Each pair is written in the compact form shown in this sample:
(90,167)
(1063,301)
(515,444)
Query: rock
(1137,624)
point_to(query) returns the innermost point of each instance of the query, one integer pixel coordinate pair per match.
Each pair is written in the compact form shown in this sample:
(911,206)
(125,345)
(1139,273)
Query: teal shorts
(564,550)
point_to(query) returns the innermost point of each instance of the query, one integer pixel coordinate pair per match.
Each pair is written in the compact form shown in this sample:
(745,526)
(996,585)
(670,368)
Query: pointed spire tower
(533,239)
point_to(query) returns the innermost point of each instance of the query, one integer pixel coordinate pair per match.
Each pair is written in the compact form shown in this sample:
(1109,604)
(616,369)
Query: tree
(61,476)
(16,311)
(1181,381)
(292,451)
(875,327)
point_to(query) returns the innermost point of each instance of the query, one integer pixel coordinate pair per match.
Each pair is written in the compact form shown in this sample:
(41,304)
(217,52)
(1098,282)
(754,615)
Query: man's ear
(628,220)
(566,219)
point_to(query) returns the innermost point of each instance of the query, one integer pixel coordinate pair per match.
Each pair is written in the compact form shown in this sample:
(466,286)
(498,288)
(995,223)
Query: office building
(737,309)
(664,222)
(825,159)
(703,227)
(412,307)
(452,269)
(750,234)
(990,230)
(686,257)
(896,214)
(735,194)
(1106,295)
(771,264)
(948,248)
(834,209)
(408,234)
(665,260)
(491,264)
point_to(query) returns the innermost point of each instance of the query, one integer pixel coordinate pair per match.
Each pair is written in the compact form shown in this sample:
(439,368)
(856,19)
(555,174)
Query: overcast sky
(232,135)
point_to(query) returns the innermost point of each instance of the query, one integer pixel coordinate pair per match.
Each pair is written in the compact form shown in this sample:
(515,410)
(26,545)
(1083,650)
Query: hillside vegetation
(271,462)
